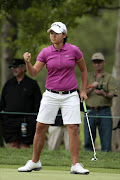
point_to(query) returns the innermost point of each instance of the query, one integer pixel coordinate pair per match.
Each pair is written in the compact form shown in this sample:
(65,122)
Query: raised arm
(32,70)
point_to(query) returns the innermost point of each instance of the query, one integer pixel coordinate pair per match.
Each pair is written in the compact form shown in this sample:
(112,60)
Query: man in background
(20,95)
(101,89)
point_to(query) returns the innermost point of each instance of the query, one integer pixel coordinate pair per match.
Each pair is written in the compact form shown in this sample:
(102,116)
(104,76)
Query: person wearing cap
(57,133)
(102,87)
(20,95)
(61,92)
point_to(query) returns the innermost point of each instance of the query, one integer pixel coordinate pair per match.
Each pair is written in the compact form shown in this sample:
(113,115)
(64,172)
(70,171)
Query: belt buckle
(61,92)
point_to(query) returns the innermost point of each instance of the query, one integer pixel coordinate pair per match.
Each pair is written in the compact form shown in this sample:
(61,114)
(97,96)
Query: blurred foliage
(96,34)
(77,6)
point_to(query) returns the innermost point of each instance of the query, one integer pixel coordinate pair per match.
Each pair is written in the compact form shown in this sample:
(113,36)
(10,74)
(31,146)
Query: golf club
(85,110)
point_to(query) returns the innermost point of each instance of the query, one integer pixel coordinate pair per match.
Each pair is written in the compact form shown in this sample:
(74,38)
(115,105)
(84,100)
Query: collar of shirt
(63,48)
(15,80)
(101,76)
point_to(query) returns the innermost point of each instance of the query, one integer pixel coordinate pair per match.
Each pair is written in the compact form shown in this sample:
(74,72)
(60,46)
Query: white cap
(58,27)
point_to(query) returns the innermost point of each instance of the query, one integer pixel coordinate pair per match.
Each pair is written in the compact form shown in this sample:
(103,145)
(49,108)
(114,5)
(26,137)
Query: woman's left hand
(83,96)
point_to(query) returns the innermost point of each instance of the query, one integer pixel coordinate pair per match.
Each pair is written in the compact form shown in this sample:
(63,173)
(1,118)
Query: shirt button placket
(59,61)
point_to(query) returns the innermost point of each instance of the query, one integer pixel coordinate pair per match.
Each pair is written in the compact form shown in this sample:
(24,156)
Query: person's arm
(84,76)
(101,92)
(32,70)
(92,87)
(112,89)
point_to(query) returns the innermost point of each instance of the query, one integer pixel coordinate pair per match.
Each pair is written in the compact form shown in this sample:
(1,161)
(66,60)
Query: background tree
(8,50)
(116,101)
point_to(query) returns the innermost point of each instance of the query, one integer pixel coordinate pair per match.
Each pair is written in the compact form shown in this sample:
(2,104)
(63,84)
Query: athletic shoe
(30,166)
(78,169)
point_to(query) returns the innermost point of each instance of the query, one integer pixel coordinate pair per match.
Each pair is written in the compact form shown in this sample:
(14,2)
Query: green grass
(6,174)
(56,165)
(60,158)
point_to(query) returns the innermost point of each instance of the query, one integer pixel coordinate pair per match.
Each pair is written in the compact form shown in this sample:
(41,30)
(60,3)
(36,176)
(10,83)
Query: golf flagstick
(85,110)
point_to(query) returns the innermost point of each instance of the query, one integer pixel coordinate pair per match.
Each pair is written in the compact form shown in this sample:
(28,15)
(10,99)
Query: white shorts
(68,103)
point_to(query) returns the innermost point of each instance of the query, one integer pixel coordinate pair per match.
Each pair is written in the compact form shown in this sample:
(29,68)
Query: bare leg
(73,142)
(39,140)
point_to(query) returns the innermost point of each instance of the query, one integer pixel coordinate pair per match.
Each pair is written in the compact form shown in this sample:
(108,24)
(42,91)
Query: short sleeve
(78,53)
(41,56)
(112,86)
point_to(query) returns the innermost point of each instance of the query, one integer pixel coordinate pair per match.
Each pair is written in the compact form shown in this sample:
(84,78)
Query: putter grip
(84,106)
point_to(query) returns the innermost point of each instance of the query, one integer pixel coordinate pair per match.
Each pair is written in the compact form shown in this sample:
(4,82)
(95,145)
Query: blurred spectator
(57,134)
(20,95)
(102,88)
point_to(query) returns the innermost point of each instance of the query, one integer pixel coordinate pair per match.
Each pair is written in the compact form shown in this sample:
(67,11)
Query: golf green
(6,174)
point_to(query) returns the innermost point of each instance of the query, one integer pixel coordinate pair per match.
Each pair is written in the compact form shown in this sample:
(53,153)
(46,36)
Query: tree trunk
(9,35)
(116,101)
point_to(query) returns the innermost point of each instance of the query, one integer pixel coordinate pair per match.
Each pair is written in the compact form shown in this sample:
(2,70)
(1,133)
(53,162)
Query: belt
(97,108)
(62,92)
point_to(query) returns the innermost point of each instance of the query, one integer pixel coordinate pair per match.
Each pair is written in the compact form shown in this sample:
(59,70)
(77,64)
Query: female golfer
(61,92)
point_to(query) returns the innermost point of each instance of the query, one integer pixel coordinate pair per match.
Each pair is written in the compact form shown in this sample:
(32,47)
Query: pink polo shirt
(60,66)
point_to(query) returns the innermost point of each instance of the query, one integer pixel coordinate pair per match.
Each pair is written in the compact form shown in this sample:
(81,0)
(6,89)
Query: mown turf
(106,160)
(6,174)
(56,165)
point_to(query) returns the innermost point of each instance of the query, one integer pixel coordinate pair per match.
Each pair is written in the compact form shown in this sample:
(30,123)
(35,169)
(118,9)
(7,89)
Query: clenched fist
(27,56)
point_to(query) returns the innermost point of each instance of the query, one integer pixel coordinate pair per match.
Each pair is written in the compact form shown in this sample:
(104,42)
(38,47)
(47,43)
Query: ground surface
(7,173)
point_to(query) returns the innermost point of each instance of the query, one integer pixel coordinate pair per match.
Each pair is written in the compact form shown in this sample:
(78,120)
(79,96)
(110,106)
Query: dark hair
(65,40)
